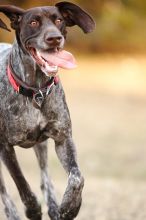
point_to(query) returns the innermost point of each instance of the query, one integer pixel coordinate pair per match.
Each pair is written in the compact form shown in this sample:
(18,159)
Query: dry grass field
(107,101)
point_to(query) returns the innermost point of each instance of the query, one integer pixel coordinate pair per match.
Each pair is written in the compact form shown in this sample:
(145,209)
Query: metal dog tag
(38,99)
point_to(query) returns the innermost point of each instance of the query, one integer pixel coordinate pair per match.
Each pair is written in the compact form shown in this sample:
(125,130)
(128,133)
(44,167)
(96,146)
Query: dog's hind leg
(10,208)
(46,184)
(72,197)
(33,209)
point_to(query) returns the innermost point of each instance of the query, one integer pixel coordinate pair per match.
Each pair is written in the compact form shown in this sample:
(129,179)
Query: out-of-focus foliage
(120,25)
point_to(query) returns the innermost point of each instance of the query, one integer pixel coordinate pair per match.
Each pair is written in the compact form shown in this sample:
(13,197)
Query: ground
(107,101)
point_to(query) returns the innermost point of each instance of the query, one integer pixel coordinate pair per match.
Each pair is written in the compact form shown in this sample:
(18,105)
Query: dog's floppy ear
(74,15)
(13,13)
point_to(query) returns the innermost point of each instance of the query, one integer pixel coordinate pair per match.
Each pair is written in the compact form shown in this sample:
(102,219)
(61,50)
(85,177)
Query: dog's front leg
(33,209)
(72,199)
(46,183)
(10,208)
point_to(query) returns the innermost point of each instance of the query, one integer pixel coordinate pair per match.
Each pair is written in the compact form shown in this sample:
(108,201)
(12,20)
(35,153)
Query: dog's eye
(34,23)
(58,21)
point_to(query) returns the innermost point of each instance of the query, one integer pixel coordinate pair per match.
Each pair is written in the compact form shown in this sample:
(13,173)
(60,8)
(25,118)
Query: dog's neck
(25,67)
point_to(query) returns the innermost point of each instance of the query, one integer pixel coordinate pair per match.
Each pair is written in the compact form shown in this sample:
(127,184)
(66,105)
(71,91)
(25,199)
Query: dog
(33,106)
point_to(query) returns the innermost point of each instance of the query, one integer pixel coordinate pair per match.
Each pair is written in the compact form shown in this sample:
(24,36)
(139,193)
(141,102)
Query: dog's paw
(72,199)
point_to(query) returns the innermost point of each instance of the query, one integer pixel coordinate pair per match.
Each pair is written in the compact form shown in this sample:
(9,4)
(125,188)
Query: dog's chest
(26,126)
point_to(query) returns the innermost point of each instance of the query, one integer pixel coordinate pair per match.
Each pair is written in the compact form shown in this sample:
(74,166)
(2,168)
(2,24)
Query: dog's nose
(54,40)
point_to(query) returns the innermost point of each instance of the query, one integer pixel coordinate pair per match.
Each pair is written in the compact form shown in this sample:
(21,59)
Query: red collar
(38,95)
(19,85)
(12,80)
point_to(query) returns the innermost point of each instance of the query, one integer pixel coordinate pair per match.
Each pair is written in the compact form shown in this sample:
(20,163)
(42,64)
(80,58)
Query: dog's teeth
(38,54)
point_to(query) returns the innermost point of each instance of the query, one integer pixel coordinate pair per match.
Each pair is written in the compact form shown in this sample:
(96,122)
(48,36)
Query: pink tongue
(61,59)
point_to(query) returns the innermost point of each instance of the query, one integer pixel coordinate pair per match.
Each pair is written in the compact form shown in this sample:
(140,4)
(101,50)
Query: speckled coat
(20,122)
(24,125)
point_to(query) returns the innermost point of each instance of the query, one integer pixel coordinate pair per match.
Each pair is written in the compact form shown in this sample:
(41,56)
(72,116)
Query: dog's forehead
(45,10)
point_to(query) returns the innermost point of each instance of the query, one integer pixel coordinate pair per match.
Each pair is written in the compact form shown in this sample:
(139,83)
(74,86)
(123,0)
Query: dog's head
(41,31)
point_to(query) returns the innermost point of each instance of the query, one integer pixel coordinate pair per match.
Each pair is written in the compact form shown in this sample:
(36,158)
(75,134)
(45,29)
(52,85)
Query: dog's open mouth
(50,61)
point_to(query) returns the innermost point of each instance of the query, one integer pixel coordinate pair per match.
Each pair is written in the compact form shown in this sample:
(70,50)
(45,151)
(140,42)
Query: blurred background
(106,96)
